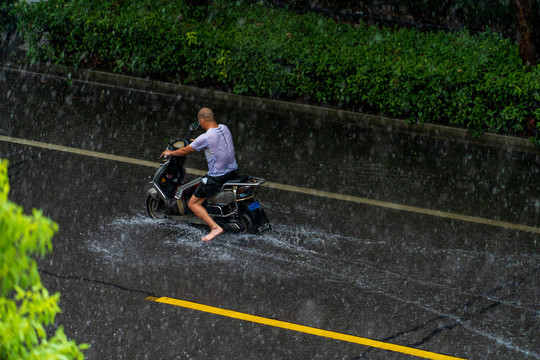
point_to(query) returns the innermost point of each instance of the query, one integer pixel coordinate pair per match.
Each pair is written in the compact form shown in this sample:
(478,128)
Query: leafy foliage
(7,20)
(473,81)
(26,307)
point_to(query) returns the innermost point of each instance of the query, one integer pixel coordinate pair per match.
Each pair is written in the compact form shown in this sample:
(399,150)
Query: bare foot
(212,234)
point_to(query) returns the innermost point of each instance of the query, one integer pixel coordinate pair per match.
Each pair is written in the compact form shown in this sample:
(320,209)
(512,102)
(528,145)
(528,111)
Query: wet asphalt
(442,285)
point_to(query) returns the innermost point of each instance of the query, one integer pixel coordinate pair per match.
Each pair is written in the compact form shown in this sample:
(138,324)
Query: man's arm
(179,152)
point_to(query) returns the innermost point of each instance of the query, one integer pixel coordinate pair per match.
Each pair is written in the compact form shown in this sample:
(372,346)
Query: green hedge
(473,81)
(7,20)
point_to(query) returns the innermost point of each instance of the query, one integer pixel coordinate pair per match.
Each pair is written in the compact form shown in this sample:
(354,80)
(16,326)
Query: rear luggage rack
(252,181)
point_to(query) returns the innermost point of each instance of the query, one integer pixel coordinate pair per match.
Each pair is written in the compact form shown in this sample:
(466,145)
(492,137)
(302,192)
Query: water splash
(293,251)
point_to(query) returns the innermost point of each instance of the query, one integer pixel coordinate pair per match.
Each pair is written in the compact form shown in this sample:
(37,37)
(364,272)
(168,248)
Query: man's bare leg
(195,204)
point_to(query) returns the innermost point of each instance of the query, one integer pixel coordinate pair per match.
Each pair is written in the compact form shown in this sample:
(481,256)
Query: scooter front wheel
(155,207)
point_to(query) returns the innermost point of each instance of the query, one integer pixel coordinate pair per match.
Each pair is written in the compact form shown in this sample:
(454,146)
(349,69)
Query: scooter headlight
(179,144)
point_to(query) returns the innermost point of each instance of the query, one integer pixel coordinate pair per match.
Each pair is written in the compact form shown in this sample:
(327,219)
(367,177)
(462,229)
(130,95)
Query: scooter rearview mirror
(194,126)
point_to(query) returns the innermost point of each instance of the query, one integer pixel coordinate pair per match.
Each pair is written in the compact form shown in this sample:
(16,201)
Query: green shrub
(7,19)
(473,81)
(25,305)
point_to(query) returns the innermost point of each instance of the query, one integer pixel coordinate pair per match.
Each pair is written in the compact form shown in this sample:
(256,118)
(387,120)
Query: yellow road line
(302,328)
(325,194)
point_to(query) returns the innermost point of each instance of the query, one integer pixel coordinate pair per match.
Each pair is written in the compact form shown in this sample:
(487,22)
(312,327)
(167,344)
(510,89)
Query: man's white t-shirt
(219,150)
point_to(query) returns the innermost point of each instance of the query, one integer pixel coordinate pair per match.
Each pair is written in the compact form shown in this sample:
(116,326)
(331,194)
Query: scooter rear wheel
(247,223)
(155,207)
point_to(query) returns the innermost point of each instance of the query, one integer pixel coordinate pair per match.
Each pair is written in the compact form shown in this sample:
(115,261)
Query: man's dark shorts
(211,185)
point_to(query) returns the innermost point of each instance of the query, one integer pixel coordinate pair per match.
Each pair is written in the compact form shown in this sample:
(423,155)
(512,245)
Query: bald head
(206,119)
(206,115)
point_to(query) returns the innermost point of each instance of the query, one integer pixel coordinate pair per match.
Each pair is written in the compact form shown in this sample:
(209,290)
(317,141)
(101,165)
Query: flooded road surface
(443,285)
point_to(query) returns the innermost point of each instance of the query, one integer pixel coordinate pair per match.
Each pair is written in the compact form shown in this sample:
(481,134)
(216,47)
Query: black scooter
(234,208)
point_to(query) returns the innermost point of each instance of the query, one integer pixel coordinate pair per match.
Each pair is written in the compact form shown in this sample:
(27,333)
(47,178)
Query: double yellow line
(303,329)
(296,189)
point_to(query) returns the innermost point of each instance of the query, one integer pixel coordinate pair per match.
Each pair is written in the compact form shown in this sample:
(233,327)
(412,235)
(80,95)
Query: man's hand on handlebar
(165,153)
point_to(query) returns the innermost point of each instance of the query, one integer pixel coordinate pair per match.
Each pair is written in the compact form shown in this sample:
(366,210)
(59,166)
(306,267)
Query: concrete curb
(277,106)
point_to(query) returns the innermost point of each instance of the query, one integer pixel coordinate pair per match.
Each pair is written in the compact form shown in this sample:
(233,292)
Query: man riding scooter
(222,166)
